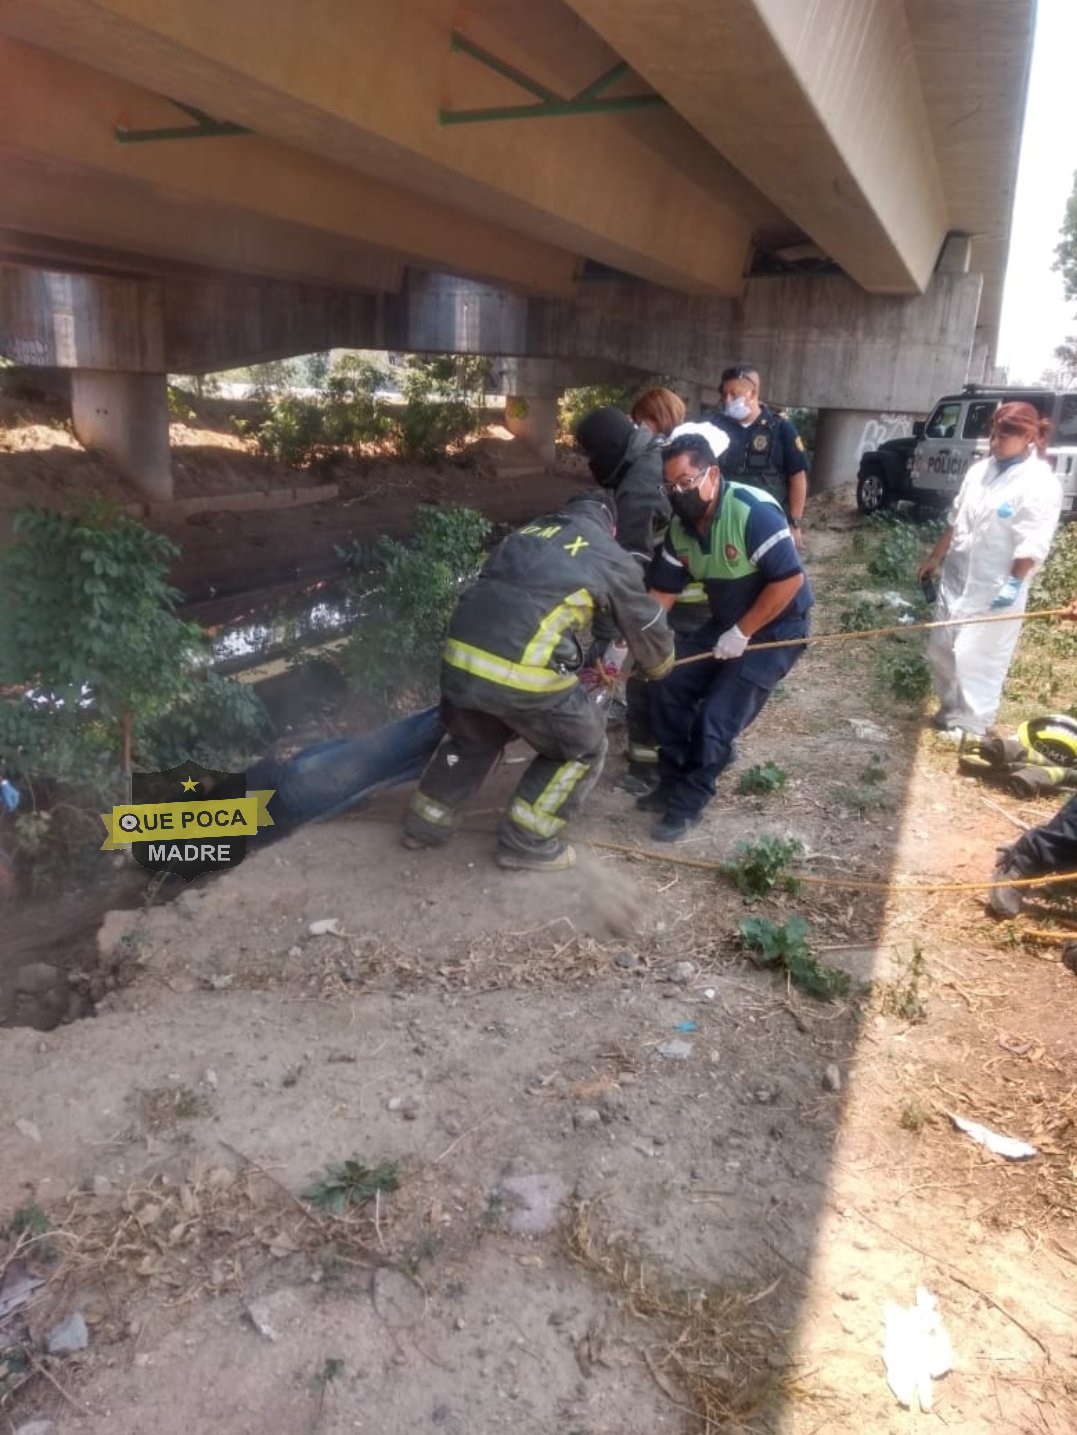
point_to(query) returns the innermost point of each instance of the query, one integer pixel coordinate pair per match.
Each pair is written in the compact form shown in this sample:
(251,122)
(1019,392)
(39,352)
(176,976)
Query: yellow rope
(712,865)
(885,632)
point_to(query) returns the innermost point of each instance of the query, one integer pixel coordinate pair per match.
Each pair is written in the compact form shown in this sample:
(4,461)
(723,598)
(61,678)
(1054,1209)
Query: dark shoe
(414,844)
(556,860)
(636,784)
(673,826)
(656,800)
(1002,900)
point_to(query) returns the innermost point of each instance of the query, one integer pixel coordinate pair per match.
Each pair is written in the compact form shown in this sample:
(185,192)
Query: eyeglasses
(684,481)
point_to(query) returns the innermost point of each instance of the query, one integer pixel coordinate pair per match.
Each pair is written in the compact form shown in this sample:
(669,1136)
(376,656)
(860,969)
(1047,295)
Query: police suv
(927,466)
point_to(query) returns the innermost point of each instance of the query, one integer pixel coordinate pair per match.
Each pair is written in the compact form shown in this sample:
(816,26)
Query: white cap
(715,437)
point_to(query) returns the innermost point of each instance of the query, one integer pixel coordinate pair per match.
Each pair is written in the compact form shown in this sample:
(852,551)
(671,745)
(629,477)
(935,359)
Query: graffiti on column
(27,351)
(877,430)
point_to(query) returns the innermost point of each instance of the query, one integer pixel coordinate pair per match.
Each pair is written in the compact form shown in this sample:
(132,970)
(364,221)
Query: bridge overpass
(577,187)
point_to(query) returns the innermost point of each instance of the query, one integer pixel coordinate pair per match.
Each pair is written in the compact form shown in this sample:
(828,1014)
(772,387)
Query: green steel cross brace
(591,100)
(204,127)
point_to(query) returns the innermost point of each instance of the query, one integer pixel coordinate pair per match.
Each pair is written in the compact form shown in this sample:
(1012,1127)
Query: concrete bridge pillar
(125,416)
(533,420)
(843,435)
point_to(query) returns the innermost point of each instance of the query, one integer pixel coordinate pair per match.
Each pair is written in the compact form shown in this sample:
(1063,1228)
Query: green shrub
(786,947)
(759,867)
(575,404)
(105,674)
(761,780)
(904,673)
(294,431)
(396,650)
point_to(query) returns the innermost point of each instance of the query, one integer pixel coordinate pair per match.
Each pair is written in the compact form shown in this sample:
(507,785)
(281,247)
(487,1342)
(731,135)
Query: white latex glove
(731,644)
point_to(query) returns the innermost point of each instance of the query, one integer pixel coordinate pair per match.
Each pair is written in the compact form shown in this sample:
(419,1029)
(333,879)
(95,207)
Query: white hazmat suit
(999,515)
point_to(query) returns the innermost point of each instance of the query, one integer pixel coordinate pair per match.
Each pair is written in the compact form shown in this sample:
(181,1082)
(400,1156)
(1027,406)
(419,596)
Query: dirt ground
(595,1232)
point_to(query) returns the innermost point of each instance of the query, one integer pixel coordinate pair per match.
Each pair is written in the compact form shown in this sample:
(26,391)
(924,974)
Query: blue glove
(1006,596)
(9,795)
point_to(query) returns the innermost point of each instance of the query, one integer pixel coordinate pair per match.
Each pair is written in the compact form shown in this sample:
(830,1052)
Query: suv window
(978,418)
(1066,432)
(943,422)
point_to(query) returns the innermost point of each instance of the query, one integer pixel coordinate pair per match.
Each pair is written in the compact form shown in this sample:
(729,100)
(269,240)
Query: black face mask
(688,505)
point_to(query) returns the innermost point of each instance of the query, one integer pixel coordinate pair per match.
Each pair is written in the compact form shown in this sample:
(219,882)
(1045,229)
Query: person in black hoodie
(627,460)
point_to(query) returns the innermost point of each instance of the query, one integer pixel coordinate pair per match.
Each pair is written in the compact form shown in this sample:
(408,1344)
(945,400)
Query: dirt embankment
(641,1185)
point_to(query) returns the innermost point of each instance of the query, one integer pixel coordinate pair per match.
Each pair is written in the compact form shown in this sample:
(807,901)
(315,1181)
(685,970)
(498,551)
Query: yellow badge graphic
(188,820)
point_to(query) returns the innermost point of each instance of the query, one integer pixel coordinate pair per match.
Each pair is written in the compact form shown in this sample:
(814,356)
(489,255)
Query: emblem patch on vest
(731,552)
(759,443)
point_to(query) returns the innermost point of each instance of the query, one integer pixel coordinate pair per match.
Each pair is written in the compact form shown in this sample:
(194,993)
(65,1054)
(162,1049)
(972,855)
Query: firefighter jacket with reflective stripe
(518,627)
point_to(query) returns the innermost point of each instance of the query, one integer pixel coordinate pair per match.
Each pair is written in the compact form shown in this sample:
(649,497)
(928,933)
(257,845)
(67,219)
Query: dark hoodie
(628,461)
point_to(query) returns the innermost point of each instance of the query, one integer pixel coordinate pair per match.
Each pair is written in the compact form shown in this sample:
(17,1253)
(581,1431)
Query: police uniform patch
(759,442)
(799,443)
(731,552)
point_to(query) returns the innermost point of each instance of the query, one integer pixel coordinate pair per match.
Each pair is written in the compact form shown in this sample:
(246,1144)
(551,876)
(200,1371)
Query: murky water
(269,625)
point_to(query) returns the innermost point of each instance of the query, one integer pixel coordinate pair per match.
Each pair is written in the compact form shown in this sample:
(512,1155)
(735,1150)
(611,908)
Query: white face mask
(738,408)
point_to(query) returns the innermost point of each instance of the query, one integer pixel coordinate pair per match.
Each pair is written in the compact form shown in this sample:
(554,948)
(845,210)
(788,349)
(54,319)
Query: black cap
(603,435)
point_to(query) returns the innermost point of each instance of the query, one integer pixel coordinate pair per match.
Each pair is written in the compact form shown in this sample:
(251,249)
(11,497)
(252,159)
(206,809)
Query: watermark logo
(188,820)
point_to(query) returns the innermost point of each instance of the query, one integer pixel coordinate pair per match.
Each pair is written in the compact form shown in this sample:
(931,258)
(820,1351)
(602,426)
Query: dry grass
(711,1352)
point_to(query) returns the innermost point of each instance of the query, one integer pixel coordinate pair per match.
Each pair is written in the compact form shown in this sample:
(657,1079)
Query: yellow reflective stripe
(642,754)
(524,815)
(693,593)
(430,811)
(500,670)
(540,816)
(573,612)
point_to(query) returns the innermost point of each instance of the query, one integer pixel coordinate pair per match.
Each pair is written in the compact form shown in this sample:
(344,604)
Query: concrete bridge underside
(823,187)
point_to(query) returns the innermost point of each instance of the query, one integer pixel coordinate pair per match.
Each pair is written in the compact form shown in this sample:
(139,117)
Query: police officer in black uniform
(765,449)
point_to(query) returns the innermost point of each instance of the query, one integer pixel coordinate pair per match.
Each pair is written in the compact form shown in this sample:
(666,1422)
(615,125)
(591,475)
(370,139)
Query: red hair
(1024,420)
(662,407)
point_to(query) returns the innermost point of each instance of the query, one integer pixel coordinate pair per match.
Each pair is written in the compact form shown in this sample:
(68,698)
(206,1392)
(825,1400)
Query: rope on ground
(713,865)
(812,638)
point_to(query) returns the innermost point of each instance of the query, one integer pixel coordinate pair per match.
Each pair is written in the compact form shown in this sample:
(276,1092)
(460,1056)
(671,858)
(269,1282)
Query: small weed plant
(351,1183)
(867,794)
(786,948)
(761,867)
(914,1115)
(762,780)
(903,997)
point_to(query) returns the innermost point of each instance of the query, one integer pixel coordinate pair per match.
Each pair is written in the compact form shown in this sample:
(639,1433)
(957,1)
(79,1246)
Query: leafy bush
(396,649)
(786,947)
(905,673)
(575,404)
(759,867)
(103,672)
(898,552)
(294,431)
(761,780)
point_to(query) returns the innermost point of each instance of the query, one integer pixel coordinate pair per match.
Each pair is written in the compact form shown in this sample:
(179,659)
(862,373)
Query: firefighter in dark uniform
(736,541)
(765,449)
(509,670)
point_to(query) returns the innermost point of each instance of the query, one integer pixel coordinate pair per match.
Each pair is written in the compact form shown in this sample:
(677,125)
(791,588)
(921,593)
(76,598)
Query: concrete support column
(533,420)
(125,416)
(843,435)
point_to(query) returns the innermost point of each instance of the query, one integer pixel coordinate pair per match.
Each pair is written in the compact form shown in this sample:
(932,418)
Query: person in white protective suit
(998,533)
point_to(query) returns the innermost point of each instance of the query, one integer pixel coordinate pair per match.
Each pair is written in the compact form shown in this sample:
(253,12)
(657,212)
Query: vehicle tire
(872,492)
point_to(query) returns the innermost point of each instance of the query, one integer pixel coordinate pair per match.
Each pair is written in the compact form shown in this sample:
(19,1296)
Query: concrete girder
(362,84)
(818,341)
(58,112)
(818,104)
(128,226)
